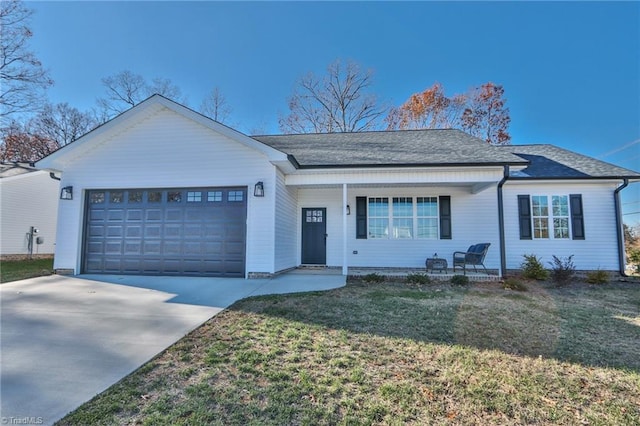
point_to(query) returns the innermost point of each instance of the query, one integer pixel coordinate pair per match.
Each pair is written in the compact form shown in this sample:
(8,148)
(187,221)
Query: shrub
(460,280)
(418,279)
(634,257)
(514,284)
(562,270)
(532,268)
(597,277)
(373,278)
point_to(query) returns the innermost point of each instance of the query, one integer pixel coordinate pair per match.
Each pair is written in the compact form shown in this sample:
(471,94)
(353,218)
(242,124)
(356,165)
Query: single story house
(161,189)
(28,212)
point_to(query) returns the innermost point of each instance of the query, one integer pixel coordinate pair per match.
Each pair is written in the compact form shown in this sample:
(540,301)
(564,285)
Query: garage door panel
(115,231)
(133,231)
(153,215)
(133,248)
(115,216)
(172,248)
(174,215)
(130,265)
(134,215)
(234,249)
(95,265)
(96,231)
(173,232)
(152,231)
(113,248)
(97,215)
(96,247)
(112,265)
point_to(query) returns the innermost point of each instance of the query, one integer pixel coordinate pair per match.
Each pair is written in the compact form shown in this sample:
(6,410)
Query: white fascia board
(399,175)
(586,181)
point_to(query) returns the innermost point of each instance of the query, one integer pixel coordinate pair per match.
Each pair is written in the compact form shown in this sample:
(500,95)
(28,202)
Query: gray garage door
(190,231)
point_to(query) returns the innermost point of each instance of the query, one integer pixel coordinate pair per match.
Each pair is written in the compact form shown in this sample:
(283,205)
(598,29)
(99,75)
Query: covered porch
(389,222)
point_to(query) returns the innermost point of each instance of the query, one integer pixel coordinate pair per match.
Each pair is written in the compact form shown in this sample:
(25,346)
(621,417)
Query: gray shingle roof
(392,148)
(434,147)
(549,161)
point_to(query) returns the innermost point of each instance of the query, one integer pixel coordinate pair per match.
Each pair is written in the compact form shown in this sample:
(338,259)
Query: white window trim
(390,217)
(550,217)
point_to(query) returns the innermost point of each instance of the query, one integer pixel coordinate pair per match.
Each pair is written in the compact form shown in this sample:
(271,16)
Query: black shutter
(361,217)
(524,212)
(444,204)
(577,218)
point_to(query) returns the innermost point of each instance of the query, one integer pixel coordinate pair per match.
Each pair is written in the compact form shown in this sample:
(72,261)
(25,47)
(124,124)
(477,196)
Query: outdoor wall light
(348,209)
(258,190)
(66,193)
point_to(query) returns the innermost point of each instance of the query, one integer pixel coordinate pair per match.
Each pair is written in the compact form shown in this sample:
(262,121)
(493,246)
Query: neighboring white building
(161,189)
(28,199)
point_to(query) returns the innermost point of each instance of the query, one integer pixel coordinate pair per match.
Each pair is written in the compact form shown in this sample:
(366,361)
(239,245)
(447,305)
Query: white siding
(597,250)
(169,150)
(285,222)
(27,200)
(474,220)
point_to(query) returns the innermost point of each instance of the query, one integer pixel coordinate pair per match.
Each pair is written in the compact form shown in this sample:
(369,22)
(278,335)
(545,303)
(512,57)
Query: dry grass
(395,354)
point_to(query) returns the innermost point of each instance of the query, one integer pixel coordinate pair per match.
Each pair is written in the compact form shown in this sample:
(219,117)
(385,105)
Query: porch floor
(397,272)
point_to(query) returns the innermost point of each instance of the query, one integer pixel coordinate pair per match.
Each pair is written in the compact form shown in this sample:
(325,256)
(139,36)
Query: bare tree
(127,89)
(336,102)
(215,106)
(62,123)
(164,87)
(123,90)
(23,80)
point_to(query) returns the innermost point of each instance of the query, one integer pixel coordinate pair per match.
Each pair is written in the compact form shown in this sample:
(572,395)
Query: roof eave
(407,165)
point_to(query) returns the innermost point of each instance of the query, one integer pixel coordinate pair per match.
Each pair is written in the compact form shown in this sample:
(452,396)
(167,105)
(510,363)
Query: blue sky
(571,70)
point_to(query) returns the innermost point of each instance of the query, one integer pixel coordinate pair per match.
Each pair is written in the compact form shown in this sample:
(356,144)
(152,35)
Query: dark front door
(314,236)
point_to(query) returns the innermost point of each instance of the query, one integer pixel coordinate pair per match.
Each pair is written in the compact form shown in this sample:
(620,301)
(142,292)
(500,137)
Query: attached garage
(174,231)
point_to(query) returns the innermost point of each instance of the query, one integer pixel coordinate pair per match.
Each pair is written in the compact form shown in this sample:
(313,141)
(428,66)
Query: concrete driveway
(65,339)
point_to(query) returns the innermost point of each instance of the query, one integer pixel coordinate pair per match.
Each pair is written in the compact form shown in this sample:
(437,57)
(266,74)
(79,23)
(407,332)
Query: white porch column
(345,267)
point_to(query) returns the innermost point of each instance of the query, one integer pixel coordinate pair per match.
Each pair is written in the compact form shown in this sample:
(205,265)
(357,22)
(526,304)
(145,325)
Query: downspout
(619,226)
(53,176)
(503,253)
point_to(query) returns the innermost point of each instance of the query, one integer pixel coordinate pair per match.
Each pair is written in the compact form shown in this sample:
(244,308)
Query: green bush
(514,284)
(460,280)
(418,279)
(597,277)
(634,257)
(562,269)
(532,268)
(373,278)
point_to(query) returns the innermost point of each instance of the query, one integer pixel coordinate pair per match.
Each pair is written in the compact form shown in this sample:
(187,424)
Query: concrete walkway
(65,339)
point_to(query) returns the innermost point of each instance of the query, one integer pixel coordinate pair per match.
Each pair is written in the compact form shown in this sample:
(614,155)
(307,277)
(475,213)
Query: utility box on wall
(28,199)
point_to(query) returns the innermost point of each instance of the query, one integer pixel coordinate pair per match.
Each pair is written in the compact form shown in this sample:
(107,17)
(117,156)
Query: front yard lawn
(397,354)
(14,270)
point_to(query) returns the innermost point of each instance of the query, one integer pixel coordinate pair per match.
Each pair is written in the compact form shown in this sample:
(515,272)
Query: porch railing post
(345,267)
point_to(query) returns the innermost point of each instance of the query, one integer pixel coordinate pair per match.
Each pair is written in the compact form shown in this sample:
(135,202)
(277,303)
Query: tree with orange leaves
(481,112)
(430,109)
(486,116)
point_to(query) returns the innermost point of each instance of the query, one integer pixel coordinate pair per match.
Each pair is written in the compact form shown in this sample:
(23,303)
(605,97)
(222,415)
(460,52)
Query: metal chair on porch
(473,256)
